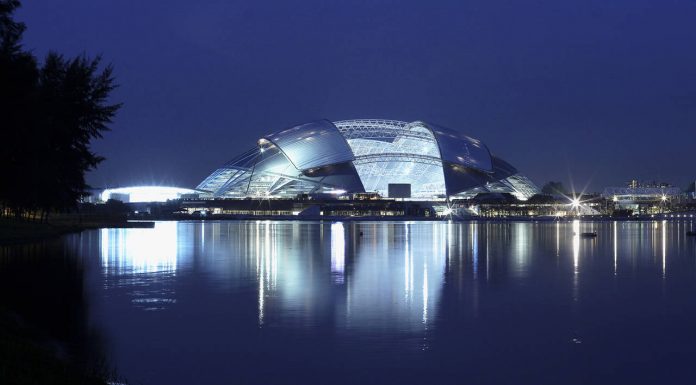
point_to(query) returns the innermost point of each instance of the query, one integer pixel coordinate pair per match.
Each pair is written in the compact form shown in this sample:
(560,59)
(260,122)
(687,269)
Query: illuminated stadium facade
(366,156)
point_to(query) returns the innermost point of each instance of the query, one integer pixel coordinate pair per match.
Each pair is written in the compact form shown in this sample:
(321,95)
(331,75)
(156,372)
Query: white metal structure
(367,155)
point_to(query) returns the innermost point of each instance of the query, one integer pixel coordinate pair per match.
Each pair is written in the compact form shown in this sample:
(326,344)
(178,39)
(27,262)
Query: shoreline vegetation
(17,231)
(51,109)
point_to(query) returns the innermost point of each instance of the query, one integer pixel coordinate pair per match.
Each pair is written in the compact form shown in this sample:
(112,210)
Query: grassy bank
(14,231)
(19,231)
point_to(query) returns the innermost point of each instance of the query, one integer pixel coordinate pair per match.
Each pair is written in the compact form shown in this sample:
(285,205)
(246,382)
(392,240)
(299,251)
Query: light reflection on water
(140,251)
(145,260)
(395,284)
(392,272)
(403,262)
(412,286)
(338,251)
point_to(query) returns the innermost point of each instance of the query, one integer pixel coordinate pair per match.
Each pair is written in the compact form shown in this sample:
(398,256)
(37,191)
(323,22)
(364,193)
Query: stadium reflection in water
(241,291)
(301,266)
(405,263)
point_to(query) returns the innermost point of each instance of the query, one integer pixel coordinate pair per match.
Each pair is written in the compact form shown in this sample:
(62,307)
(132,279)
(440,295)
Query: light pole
(575,203)
(663,202)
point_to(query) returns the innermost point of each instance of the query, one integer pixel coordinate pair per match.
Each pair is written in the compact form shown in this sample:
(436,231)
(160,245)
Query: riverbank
(13,231)
(18,231)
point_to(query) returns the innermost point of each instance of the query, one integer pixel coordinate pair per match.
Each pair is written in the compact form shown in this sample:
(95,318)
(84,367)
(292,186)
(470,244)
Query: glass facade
(389,152)
(366,155)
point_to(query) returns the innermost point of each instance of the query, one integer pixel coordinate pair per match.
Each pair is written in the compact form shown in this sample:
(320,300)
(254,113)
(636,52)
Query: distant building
(690,190)
(386,157)
(642,198)
(141,194)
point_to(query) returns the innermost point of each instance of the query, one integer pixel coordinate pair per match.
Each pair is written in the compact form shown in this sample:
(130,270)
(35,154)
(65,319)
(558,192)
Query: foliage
(553,188)
(541,199)
(49,115)
(10,30)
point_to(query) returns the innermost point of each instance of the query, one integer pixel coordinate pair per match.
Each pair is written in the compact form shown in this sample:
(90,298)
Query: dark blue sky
(601,91)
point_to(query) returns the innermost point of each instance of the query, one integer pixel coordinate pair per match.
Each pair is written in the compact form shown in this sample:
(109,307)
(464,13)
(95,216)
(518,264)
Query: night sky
(596,91)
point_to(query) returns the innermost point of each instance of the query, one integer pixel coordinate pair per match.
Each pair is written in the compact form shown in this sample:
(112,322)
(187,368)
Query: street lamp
(663,202)
(575,205)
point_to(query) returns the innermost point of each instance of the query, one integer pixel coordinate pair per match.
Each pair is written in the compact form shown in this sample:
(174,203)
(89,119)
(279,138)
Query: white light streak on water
(425,292)
(407,265)
(664,248)
(576,245)
(338,252)
(616,248)
(474,247)
(140,250)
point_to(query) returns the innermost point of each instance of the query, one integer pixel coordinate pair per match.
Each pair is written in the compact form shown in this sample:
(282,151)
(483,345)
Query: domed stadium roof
(366,155)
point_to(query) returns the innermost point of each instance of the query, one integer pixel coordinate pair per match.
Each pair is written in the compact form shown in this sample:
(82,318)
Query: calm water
(262,302)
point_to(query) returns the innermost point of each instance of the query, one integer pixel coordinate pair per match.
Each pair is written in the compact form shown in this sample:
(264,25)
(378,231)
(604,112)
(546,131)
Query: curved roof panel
(312,145)
(366,155)
(460,149)
(460,178)
(502,169)
(218,181)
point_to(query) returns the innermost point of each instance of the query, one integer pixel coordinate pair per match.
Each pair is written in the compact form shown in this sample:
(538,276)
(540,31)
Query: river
(285,302)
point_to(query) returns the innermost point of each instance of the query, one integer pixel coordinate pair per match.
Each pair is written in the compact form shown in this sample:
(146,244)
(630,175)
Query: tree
(10,30)
(73,99)
(18,77)
(553,188)
(49,115)
(539,199)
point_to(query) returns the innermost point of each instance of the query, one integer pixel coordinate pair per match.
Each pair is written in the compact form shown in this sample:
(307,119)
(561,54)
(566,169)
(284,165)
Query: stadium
(393,159)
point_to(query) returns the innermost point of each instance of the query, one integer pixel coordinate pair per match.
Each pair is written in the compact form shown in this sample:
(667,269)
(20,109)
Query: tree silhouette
(49,115)
(72,98)
(553,188)
(18,77)
(10,30)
